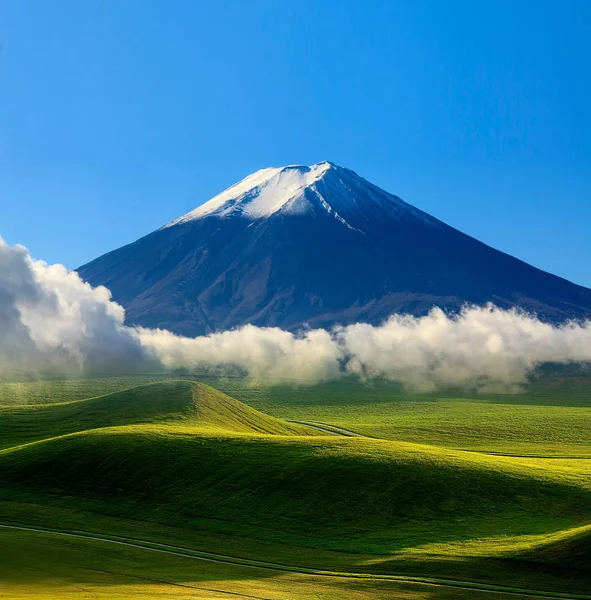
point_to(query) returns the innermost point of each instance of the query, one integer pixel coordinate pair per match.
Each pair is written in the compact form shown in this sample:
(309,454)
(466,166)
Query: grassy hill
(178,402)
(179,462)
(550,417)
(571,548)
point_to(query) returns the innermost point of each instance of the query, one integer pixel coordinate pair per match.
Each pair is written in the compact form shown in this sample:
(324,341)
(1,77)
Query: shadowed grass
(571,548)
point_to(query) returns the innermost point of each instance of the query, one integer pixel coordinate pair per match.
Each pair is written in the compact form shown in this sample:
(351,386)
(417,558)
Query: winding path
(257,564)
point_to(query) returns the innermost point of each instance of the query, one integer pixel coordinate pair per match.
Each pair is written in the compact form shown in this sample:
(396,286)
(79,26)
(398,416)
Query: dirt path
(256,564)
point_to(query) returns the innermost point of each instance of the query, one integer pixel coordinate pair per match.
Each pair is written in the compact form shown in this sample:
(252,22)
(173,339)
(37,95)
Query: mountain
(315,246)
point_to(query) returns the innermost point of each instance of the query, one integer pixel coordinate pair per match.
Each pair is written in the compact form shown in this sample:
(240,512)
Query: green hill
(571,548)
(178,402)
(361,495)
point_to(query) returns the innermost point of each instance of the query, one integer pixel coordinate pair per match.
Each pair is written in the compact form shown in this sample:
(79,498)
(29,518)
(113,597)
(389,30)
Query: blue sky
(116,117)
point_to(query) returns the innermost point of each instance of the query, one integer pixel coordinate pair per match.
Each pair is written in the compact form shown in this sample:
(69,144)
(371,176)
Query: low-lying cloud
(53,322)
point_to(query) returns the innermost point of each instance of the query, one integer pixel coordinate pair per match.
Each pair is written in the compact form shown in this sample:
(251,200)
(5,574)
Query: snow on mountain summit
(298,189)
(261,194)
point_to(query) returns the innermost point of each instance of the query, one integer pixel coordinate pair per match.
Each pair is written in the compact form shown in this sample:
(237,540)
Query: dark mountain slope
(315,245)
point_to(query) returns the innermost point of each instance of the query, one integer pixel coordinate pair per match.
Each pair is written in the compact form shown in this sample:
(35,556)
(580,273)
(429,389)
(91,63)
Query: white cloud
(482,347)
(51,321)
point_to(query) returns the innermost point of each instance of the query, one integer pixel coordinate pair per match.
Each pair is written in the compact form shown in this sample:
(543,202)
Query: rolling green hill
(181,463)
(551,417)
(571,548)
(178,402)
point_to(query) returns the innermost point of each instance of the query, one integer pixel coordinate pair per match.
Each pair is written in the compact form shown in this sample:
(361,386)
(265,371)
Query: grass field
(77,568)
(483,490)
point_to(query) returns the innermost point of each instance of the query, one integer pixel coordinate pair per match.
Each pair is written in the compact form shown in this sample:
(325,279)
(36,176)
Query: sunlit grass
(49,567)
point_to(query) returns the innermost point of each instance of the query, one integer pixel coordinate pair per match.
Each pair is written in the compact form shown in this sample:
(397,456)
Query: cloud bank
(53,322)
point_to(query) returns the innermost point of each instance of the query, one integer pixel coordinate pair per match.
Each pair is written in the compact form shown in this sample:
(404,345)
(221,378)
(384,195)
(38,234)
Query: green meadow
(167,487)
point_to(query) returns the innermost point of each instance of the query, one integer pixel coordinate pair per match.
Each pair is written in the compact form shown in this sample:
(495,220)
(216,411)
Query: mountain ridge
(316,246)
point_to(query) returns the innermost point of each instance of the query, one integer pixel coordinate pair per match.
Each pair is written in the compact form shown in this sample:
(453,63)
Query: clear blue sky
(116,117)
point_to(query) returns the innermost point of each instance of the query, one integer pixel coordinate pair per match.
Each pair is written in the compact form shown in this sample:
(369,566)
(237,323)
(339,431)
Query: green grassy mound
(179,402)
(338,493)
(548,418)
(570,549)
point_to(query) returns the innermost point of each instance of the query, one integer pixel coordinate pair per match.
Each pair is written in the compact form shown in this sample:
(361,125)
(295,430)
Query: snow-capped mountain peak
(298,189)
(315,246)
(261,194)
